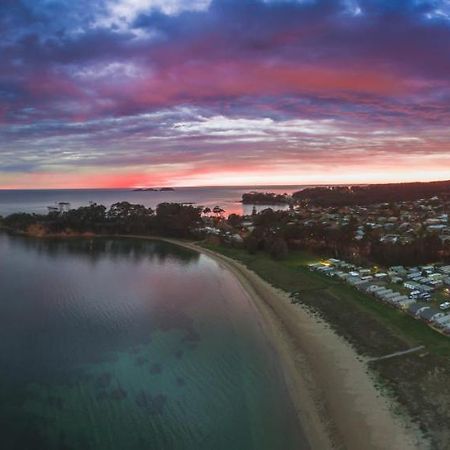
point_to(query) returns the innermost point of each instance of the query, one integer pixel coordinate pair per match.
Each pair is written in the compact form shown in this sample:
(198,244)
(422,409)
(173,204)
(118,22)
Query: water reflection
(127,344)
(98,248)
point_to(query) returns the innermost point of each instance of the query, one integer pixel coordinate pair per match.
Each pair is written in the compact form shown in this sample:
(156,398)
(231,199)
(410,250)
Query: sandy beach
(332,389)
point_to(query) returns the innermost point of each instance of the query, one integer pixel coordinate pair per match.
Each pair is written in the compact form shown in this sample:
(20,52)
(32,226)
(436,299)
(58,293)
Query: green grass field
(418,380)
(333,298)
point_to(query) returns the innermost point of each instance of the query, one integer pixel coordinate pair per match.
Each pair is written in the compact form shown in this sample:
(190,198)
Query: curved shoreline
(333,391)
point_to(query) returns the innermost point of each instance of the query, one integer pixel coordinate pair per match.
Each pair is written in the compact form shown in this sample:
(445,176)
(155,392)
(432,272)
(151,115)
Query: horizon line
(257,186)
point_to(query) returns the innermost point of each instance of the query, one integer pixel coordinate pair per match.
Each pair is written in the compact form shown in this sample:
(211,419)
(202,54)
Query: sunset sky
(118,93)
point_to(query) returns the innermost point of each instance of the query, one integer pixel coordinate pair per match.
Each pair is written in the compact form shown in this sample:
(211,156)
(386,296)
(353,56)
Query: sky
(127,93)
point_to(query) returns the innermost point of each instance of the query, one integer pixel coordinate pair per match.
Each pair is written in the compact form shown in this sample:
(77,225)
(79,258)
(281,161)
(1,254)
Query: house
(389,296)
(396,280)
(405,304)
(393,295)
(398,269)
(341,275)
(324,268)
(334,262)
(411,285)
(435,228)
(361,285)
(442,321)
(353,280)
(315,266)
(436,283)
(364,272)
(374,288)
(414,286)
(435,276)
(399,298)
(389,238)
(381,294)
(380,275)
(415,309)
(429,314)
(413,275)
(237,238)
(424,288)
(367,277)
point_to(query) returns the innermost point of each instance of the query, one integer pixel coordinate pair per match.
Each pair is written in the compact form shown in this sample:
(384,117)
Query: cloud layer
(121,92)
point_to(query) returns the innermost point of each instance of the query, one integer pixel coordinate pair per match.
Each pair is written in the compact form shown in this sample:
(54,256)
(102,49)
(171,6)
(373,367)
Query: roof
(429,313)
(416,307)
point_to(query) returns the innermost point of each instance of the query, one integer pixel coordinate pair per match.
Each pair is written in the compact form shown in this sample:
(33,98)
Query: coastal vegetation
(370,194)
(280,226)
(169,219)
(419,380)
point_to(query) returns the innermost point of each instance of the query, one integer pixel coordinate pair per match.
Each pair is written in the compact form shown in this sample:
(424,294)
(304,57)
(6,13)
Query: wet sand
(334,393)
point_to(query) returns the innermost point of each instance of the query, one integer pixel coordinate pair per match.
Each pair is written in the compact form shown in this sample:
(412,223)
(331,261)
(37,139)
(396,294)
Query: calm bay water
(133,345)
(12,201)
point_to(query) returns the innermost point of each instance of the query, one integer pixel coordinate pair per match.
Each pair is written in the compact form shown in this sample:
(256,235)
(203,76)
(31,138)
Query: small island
(164,189)
(265,198)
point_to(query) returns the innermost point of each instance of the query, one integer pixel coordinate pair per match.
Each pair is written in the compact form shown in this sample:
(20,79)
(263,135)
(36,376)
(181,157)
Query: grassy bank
(418,380)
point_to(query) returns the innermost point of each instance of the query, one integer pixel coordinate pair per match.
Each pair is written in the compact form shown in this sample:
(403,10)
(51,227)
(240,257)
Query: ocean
(228,198)
(124,344)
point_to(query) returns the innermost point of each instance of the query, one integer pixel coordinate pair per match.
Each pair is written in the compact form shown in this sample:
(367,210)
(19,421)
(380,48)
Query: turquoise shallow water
(125,344)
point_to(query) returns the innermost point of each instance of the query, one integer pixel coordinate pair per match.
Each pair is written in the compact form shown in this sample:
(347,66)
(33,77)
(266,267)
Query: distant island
(164,189)
(265,198)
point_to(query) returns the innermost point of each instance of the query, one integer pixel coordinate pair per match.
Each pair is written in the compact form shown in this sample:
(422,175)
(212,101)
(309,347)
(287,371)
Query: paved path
(404,352)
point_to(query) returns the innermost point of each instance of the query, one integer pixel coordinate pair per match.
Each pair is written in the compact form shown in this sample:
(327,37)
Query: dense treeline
(264,198)
(169,219)
(375,193)
(275,233)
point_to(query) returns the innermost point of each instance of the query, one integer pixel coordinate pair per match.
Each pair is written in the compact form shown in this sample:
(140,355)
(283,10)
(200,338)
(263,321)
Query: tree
(127,217)
(176,219)
(278,248)
(19,221)
(218,211)
(251,243)
(85,218)
(234,220)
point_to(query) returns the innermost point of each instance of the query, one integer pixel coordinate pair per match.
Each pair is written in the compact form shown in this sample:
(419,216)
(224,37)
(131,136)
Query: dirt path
(393,355)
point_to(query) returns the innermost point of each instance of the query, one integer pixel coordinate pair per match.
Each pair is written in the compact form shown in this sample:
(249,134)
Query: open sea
(122,344)
(228,198)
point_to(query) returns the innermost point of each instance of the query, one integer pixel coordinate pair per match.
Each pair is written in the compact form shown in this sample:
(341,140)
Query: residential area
(411,232)
(401,222)
(422,292)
